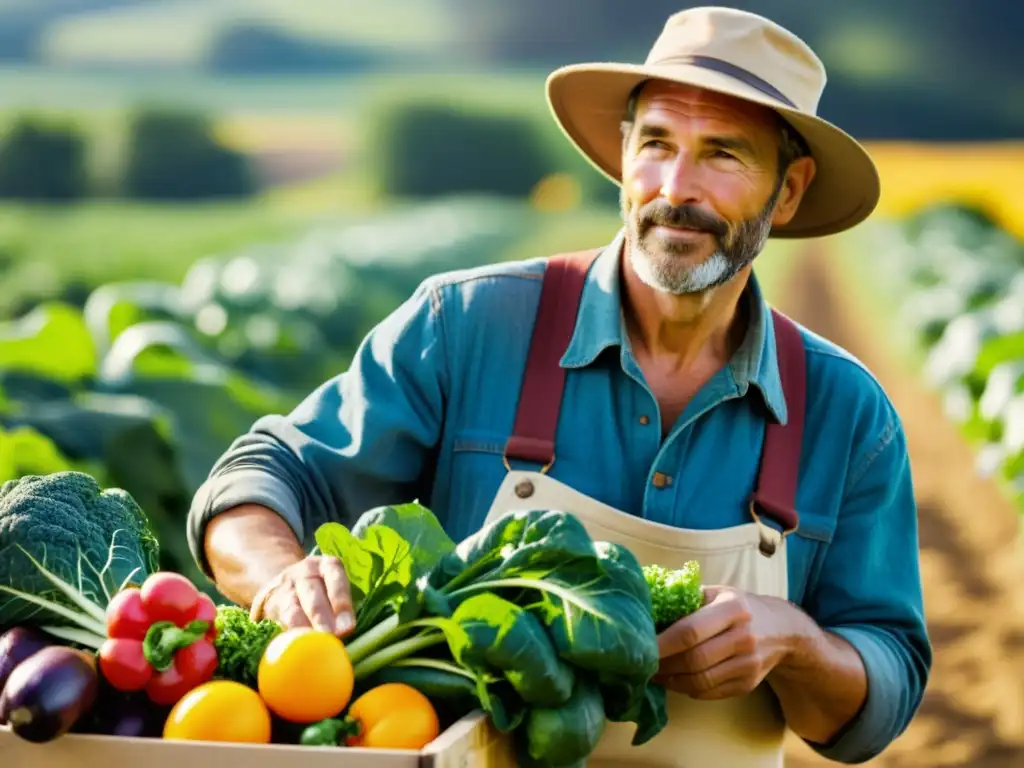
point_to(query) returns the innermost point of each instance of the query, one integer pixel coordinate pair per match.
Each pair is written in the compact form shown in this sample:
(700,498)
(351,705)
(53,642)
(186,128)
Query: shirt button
(644,420)
(660,480)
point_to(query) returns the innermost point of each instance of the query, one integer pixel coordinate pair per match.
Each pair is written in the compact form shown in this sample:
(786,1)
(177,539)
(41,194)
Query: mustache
(688,216)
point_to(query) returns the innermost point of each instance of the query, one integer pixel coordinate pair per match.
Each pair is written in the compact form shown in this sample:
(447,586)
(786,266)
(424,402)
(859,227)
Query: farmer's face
(701,187)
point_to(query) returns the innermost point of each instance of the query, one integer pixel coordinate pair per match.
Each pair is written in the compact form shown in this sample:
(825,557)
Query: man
(653,412)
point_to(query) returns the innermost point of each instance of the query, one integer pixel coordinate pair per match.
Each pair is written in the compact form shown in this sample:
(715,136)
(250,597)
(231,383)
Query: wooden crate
(471,742)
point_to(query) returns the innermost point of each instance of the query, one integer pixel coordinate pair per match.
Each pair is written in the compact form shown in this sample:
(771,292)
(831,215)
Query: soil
(972,559)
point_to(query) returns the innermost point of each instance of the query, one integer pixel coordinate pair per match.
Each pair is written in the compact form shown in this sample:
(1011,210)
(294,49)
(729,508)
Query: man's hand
(256,560)
(728,646)
(313,592)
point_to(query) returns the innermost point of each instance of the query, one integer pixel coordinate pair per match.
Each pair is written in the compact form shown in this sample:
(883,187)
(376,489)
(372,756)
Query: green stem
(479,570)
(372,639)
(83,620)
(80,636)
(164,639)
(393,653)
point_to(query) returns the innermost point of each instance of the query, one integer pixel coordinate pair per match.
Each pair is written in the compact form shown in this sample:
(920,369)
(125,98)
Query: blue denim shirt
(430,399)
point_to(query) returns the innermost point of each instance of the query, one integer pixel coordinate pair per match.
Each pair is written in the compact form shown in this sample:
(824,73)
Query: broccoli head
(240,644)
(674,593)
(96,540)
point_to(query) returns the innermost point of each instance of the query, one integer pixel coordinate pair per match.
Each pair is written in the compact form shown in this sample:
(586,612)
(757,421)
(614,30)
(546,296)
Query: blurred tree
(175,156)
(429,146)
(424,149)
(43,161)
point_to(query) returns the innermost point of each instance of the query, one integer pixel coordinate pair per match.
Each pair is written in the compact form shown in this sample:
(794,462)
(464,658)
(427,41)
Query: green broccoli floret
(95,540)
(674,593)
(240,643)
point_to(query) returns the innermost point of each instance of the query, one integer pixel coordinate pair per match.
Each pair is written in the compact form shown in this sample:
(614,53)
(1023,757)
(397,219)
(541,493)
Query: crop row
(959,281)
(147,384)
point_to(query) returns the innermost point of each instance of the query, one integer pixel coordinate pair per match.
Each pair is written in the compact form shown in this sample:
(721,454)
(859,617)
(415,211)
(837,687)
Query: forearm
(247,546)
(821,683)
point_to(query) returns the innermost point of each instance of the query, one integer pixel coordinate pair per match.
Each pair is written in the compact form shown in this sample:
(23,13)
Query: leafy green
(487,633)
(240,643)
(66,547)
(384,555)
(567,734)
(550,630)
(674,593)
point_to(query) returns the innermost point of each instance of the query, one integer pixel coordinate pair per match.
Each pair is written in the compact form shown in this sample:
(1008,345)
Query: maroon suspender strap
(780,457)
(540,399)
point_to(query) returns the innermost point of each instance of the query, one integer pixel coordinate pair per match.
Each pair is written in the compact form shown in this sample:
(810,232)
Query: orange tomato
(305,675)
(220,710)
(393,716)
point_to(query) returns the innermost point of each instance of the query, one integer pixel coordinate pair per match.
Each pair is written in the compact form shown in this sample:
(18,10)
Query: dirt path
(972,561)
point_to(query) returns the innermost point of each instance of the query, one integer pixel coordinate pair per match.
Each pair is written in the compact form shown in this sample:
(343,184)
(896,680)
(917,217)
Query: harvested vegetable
(131,715)
(16,645)
(66,548)
(554,631)
(240,643)
(389,716)
(393,716)
(159,639)
(305,675)
(675,594)
(220,710)
(48,693)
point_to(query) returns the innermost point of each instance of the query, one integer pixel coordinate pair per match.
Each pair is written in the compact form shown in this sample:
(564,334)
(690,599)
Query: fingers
(735,641)
(731,677)
(336,583)
(284,606)
(693,630)
(312,593)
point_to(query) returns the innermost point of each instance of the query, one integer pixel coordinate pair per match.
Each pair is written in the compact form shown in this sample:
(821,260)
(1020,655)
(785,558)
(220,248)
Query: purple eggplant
(18,644)
(124,714)
(48,693)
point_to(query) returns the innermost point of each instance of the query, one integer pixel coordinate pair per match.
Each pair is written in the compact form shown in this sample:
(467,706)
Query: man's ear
(798,178)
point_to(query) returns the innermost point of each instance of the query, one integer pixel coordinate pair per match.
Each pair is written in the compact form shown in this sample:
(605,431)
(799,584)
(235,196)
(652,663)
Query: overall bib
(741,732)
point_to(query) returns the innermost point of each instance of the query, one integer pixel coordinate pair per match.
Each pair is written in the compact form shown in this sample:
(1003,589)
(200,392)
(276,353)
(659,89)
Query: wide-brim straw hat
(738,54)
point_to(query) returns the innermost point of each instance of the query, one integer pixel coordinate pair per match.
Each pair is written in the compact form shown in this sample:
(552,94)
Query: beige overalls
(741,732)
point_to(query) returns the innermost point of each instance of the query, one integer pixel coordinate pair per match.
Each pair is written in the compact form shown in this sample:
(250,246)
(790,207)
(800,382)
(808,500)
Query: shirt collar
(600,325)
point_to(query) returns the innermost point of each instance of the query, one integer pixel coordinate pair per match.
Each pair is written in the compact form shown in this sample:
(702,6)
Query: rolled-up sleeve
(362,439)
(869,593)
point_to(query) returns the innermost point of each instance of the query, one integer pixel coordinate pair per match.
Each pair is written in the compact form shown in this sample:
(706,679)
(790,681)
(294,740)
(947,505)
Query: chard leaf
(378,565)
(488,634)
(517,544)
(335,540)
(387,550)
(623,566)
(650,715)
(418,526)
(391,554)
(616,636)
(591,597)
(564,735)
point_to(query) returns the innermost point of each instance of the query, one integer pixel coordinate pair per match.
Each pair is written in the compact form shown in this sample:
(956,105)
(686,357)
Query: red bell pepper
(160,639)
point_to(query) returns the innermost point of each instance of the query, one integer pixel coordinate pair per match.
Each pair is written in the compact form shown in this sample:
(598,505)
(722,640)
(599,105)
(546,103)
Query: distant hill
(918,69)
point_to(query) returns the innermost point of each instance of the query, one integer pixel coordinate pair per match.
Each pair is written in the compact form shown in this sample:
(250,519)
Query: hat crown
(743,40)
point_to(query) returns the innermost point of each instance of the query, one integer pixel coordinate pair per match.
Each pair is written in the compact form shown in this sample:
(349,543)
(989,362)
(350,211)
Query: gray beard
(663,270)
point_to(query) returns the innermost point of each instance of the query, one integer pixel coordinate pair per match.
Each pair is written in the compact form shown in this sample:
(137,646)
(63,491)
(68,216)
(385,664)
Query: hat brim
(589,102)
